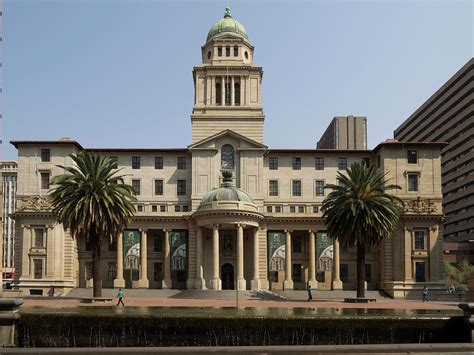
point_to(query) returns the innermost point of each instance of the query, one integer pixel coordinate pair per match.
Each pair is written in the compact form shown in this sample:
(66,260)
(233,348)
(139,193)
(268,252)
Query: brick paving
(166,298)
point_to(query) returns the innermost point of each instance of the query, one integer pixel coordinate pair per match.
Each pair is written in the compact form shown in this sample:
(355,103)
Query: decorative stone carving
(420,205)
(34,203)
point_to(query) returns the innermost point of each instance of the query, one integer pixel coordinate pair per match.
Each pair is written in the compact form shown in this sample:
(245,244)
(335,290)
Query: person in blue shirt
(120,297)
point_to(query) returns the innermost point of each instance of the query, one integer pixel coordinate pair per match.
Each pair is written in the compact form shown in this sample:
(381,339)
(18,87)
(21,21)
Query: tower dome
(227,25)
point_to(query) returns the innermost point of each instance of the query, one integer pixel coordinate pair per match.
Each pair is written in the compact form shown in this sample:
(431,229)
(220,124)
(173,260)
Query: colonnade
(215,281)
(225,81)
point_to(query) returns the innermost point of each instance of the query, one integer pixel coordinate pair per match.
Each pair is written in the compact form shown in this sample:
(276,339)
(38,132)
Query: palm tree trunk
(95,241)
(361,270)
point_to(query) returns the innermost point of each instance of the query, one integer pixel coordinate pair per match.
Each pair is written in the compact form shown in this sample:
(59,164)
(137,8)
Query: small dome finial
(227,12)
(227,175)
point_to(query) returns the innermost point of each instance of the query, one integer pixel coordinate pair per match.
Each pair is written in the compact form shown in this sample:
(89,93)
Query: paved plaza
(196,298)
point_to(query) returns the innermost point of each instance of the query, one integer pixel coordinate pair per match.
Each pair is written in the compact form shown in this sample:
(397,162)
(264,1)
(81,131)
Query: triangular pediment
(210,142)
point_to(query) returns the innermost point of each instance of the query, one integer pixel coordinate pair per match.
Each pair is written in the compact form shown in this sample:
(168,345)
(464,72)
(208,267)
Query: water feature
(189,326)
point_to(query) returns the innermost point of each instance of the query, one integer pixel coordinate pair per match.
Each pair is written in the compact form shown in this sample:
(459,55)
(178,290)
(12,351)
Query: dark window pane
(158,162)
(236,51)
(273,163)
(136,163)
(219,51)
(181,187)
(45,155)
(158,187)
(273,188)
(182,163)
(419,240)
(45,181)
(319,188)
(227,51)
(342,163)
(319,163)
(412,157)
(218,94)
(296,187)
(136,186)
(420,271)
(412,182)
(296,163)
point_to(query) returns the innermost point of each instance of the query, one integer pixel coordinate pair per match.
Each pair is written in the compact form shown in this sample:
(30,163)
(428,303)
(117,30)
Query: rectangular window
(159,163)
(158,187)
(228,246)
(185,208)
(296,163)
(136,163)
(292,209)
(38,268)
(236,51)
(368,272)
(39,238)
(315,209)
(278,209)
(158,271)
(269,209)
(219,51)
(111,271)
(319,163)
(344,272)
(273,163)
(296,187)
(177,208)
(162,208)
(45,155)
(158,243)
(419,240)
(140,208)
(300,209)
(319,188)
(45,181)
(181,188)
(154,208)
(273,188)
(114,161)
(136,186)
(412,182)
(182,163)
(412,157)
(420,275)
(297,273)
(227,51)
(342,163)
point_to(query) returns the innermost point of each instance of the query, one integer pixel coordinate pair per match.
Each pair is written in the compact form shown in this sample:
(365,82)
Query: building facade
(9,171)
(345,132)
(448,116)
(228,212)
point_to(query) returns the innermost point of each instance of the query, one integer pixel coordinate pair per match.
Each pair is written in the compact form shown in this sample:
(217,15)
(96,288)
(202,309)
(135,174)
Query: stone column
(255,283)
(119,281)
(166,283)
(215,280)
(200,283)
(241,283)
(223,90)
(434,255)
(407,253)
(336,280)
(212,93)
(312,261)
(232,93)
(143,280)
(288,283)
(25,257)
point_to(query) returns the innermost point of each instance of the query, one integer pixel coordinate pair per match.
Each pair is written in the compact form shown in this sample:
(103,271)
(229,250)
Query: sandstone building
(227,211)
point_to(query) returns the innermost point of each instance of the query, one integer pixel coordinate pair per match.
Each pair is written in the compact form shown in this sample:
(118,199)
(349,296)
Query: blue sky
(117,73)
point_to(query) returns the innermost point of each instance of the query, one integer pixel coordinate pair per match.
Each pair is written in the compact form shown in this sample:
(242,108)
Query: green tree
(94,203)
(359,212)
(457,275)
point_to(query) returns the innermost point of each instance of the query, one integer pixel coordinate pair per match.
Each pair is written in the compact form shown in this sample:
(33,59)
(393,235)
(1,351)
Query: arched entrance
(227,276)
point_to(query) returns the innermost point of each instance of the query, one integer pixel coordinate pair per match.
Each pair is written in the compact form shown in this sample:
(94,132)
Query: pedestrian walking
(310,296)
(425,294)
(120,297)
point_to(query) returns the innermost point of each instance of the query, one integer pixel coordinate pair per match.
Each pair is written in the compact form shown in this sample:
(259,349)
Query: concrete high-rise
(448,116)
(9,171)
(345,132)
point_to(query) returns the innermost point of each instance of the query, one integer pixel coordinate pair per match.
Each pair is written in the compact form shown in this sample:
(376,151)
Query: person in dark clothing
(120,297)
(425,294)
(310,296)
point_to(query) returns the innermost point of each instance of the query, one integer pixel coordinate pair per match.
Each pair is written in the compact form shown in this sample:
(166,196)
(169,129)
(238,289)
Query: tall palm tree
(93,201)
(359,212)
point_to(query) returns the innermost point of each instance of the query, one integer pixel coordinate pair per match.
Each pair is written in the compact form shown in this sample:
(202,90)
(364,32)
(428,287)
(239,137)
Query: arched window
(218,94)
(227,157)
(237,94)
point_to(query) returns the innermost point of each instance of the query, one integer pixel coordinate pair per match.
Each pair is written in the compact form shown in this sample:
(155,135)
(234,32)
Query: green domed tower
(227,84)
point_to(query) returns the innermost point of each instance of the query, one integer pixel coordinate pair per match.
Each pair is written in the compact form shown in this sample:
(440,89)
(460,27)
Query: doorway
(227,276)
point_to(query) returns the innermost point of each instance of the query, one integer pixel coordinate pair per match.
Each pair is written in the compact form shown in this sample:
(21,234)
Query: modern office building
(9,171)
(227,211)
(345,132)
(448,116)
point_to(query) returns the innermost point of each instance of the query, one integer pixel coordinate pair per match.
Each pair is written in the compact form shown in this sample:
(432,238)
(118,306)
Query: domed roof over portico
(227,192)
(227,25)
